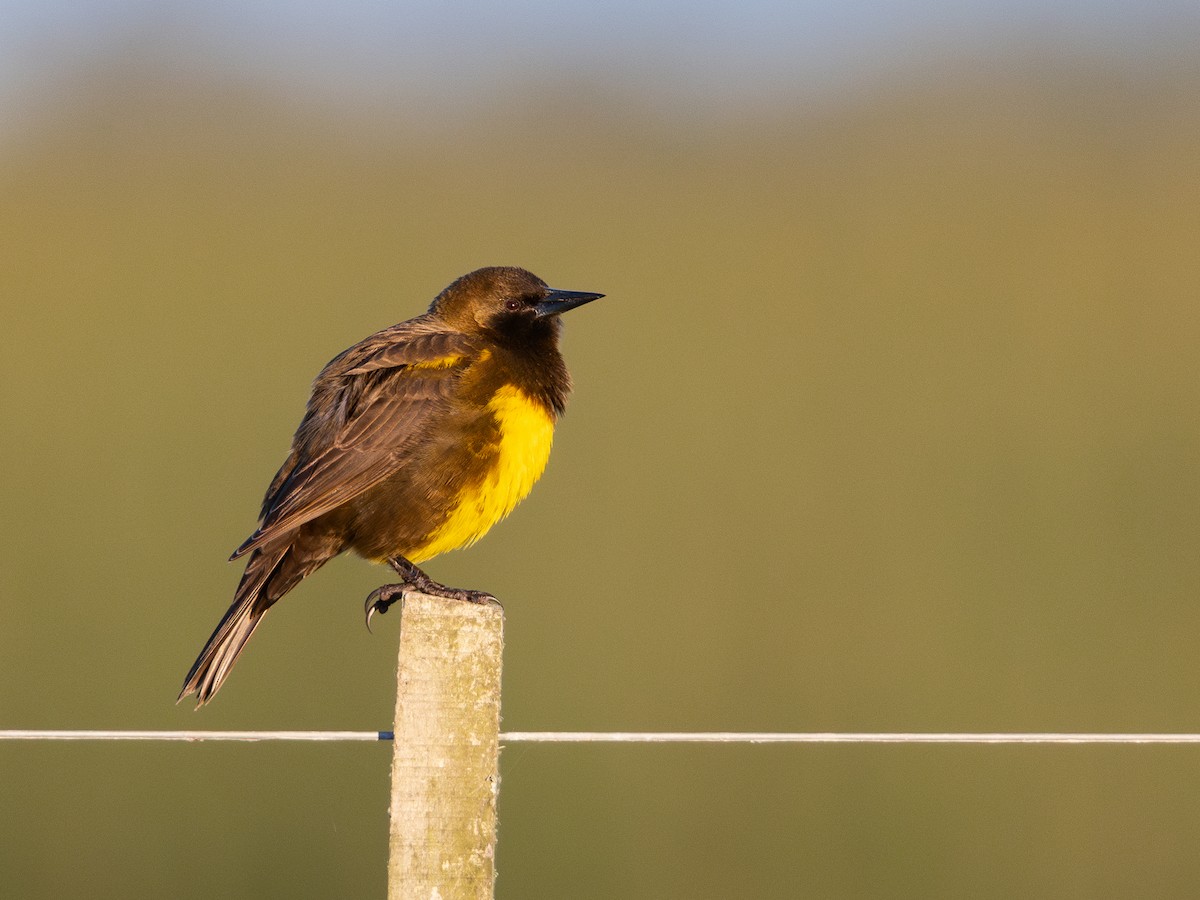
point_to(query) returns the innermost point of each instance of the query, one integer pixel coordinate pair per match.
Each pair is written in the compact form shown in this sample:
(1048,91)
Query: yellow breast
(526,431)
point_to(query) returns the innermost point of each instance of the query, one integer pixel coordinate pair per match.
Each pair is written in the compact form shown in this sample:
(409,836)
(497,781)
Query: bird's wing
(368,406)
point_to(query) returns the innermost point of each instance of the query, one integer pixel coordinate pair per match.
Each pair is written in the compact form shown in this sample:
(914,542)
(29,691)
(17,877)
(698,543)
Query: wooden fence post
(445,757)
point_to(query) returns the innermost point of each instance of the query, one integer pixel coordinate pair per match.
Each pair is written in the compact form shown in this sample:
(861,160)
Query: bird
(415,441)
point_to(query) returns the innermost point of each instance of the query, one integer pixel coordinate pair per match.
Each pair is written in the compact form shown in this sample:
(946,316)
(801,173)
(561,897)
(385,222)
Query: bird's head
(506,300)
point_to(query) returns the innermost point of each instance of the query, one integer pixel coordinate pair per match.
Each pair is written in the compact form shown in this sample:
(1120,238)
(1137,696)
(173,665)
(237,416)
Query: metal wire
(628,737)
(35,735)
(741,737)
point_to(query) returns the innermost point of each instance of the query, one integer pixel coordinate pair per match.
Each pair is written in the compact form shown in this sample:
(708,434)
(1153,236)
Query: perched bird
(415,441)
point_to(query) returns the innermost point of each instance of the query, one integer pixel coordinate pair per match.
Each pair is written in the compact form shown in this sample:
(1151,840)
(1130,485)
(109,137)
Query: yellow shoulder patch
(445,362)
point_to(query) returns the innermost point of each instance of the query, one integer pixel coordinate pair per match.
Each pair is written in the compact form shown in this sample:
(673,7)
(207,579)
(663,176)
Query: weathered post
(445,758)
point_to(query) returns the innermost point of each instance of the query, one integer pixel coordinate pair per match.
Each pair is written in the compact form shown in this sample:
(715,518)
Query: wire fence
(629,737)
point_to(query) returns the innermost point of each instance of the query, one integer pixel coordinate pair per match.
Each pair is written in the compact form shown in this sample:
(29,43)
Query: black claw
(482,598)
(381,599)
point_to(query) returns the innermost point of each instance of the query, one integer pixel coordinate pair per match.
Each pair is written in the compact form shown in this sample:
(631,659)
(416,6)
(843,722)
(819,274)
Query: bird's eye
(512,304)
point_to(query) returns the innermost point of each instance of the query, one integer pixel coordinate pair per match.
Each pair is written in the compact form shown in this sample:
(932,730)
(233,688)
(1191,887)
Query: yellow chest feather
(526,432)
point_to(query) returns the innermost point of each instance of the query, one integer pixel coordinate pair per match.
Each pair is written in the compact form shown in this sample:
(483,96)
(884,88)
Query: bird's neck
(534,365)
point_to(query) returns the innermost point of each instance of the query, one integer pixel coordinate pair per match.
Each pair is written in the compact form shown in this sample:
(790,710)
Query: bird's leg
(423,584)
(417,582)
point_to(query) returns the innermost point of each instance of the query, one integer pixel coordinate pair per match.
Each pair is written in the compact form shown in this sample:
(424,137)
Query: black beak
(556,302)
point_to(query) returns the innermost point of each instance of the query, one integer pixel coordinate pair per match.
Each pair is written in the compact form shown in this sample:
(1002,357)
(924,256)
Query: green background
(888,422)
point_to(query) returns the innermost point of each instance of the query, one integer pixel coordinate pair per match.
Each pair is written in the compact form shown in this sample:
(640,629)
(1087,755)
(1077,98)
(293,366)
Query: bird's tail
(271,572)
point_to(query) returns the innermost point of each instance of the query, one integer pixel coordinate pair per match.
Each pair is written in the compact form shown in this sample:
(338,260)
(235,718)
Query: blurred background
(888,422)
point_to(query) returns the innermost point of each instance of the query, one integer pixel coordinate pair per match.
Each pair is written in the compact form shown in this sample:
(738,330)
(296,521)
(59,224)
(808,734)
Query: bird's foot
(423,584)
(417,582)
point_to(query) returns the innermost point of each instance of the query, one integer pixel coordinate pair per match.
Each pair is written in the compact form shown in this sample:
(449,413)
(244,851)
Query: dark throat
(531,361)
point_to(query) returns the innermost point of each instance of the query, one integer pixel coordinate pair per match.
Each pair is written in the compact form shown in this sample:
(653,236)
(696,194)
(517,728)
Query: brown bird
(415,441)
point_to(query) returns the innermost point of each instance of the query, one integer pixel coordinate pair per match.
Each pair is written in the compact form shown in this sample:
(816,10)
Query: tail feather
(269,575)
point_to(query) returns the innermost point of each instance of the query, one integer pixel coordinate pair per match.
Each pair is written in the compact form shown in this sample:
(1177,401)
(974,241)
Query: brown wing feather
(369,406)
